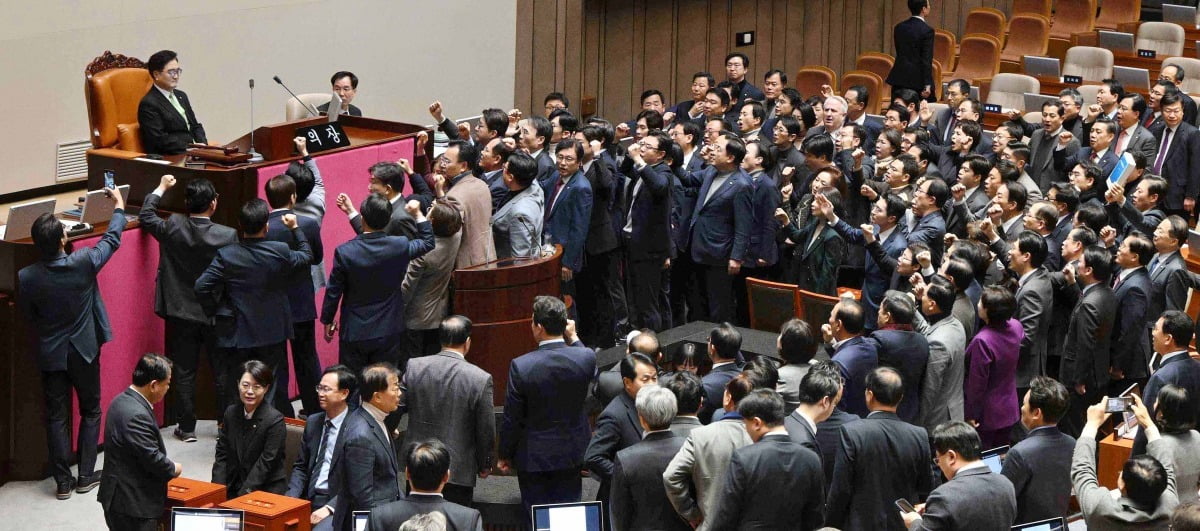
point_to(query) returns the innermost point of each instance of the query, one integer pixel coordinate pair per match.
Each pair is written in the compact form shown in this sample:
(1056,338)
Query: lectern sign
(324,137)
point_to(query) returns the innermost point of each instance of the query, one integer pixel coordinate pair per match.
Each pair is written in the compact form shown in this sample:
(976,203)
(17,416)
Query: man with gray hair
(639,468)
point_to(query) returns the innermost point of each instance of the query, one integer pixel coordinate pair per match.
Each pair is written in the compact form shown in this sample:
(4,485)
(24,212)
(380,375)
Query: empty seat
(1088,62)
(1165,38)
(873,83)
(1191,72)
(1087,96)
(985,20)
(979,58)
(810,78)
(1113,13)
(1008,90)
(879,63)
(945,46)
(1032,37)
(1033,117)
(937,80)
(293,110)
(1035,7)
(771,304)
(1073,16)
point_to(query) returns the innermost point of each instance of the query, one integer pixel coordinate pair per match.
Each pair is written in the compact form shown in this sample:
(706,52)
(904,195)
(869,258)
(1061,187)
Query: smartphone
(905,506)
(1118,404)
(109,181)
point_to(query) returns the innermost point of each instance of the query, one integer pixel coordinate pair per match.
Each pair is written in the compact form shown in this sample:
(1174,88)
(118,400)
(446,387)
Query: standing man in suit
(568,210)
(281,196)
(1098,152)
(737,64)
(1131,288)
(1043,142)
(166,121)
(886,215)
(600,275)
(544,432)
(1168,291)
(449,399)
(1173,74)
(719,237)
(973,497)
(345,85)
(246,286)
(928,225)
(1132,135)
(134,490)
(617,427)
(311,473)
(913,40)
(517,222)
(820,392)
(639,501)
(1086,347)
(367,274)
(60,300)
(1039,467)
(903,349)
(387,179)
(942,388)
(459,185)
(880,459)
(1035,306)
(365,474)
(428,473)
(724,349)
(773,466)
(647,230)
(186,245)
(854,355)
(533,136)
(1171,364)
(689,393)
(1178,157)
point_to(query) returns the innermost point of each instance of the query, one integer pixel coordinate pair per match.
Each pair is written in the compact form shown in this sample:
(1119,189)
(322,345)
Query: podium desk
(1114,451)
(272,512)
(184,492)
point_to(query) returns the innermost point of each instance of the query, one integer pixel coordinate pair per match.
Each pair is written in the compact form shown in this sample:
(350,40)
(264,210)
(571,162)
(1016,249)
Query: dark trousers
(685,292)
(616,293)
(556,486)
(308,368)
(184,342)
(123,522)
(646,288)
(84,378)
(716,291)
(460,494)
(596,325)
(275,357)
(1072,423)
(359,354)
(417,343)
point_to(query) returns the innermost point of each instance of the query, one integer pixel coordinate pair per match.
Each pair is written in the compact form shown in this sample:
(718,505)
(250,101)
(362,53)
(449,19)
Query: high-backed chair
(1008,90)
(294,438)
(985,20)
(771,303)
(1032,117)
(810,78)
(1087,95)
(1089,62)
(295,111)
(1191,69)
(875,87)
(1165,38)
(113,87)
(1029,34)
(815,308)
(881,64)
(1073,16)
(1035,7)
(978,58)
(937,80)
(1113,13)
(945,48)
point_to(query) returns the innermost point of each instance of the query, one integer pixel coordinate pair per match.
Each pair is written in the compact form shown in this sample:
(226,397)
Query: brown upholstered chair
(810,78)
(880,64)
(1073,16)
(945,48)
(771,303)
(1088,62)
(1036,7)
(291,444)
(979,58)
(113,87)
(1191,83)
(1165,38)
(875,87)
(985,20)
(815,308)
(937,76)
(1113,13)
(1032,37)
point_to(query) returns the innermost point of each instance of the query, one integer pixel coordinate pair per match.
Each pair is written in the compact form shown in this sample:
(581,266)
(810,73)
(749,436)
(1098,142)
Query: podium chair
(113,87)
(294,111)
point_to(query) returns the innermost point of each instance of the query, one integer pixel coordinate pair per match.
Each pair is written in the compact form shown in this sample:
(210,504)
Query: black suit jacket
(771,484)
(352,111)
(714,389)
(186,245)
(600,236)
(1179,167)
(914,55)
(1085,352)
(1039,468)
(801,433)
(829,438)
(907,352)
(303,481)
(617,428)
(545,427)
(1133,297)
(300,289)
(136,468)
(364,472)
(638,500)
(164,131)
(651,209)
(880,459)
(391,516)
(250,451)
(976,499)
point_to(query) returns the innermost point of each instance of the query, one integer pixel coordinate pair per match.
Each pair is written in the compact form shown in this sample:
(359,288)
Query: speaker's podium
(272,512)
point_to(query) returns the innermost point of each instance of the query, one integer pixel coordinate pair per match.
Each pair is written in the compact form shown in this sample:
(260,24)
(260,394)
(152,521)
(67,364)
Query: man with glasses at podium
(167,123)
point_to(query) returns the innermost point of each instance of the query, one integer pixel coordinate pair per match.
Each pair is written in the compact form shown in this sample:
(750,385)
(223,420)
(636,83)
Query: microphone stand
(254,155)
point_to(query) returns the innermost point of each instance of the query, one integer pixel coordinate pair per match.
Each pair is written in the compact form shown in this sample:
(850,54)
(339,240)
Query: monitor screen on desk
(361,520)
(994,458)
(583,516)
(98,206)
(1042,66)
(21,218)
(1183,15)
(192,519)
(1052,524)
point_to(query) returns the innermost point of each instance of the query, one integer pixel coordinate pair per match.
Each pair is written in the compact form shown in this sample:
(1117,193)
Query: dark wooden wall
(611,50)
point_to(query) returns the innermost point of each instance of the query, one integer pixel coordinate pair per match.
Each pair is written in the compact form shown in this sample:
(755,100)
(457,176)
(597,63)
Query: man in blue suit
(885,217)
(312,472)
(929,226)
(365,472)
(365,279)
(724,345)
(854,355)
(281,195)
(568,209)
(1099,150)
(544,432)
(903,349)
(245,288)
(1171,364)
(61,301)
(647,230)
(720,226)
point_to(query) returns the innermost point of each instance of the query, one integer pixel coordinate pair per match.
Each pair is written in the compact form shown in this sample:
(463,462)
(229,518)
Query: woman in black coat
(250,444)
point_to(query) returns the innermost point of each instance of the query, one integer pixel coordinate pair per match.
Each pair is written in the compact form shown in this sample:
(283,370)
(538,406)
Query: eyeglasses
(174,72)
(324,390)
(252,387)
(644,145)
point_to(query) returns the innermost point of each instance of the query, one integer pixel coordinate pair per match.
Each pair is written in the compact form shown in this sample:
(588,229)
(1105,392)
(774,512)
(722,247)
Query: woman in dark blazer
(819,250)
(990,385)
(250,442)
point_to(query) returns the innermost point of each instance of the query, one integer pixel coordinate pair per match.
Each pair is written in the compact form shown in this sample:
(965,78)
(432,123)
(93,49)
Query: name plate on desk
(991,107)
(1073,80)
(1149,54)
(324,137)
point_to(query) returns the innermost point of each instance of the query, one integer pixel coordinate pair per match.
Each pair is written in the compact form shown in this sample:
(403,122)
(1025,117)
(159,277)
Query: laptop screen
(1053,524)
(994,458)
(192,519)
(583,516)
(361,520)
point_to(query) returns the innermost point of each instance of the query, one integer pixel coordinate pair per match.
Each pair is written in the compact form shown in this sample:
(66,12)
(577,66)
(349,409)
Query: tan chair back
(1008,90)
(1165,38)
(1089,62)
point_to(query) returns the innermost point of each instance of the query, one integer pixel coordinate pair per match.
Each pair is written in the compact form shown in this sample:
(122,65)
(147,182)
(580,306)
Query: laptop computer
(582,516)
(98,206)
(1034,102)
(1130,77)
(1051,524)
(193,519)
(994,458)
(1117,41)
(21,218)
(1042,66)
(361,520)
(1183,15)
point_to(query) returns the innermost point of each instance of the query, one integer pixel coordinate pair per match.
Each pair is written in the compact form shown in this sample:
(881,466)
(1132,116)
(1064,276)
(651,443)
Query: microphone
(254,155)
(310,110)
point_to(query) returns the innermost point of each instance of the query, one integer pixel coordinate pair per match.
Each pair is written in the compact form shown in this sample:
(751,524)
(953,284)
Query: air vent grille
(70,161)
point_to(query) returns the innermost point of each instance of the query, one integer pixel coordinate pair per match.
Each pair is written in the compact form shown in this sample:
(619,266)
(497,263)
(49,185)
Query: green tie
(179,107)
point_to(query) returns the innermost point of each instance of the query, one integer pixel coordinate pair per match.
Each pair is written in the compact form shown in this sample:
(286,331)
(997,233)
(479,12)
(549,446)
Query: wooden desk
(184,492)
(1114,452)
(272,512)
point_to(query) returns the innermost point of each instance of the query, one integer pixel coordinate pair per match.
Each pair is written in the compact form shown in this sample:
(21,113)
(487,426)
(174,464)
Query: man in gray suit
(974,498)
(1043,142)
(942,387)
(517,221)
(1035,305)
(1133,137)
(449,399)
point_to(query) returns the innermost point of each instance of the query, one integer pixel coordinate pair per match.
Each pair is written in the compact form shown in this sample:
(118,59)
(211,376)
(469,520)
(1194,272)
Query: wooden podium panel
(1114,451)
(272,512)
(184,492)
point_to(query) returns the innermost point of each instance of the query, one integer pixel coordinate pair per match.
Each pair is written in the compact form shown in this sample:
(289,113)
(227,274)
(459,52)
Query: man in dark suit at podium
(345,84)
(61,301)
(428,471)
(165,117)
(186,245)
(914,52)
